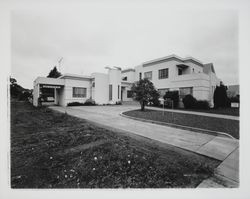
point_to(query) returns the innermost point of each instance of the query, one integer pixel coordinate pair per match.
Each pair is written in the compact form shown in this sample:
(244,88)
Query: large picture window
(79,92)
(185,91)
(163,91)
(163,73)
(148,75)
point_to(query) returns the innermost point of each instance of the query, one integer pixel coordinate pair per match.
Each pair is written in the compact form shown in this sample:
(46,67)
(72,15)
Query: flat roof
(74,76)
(172,57)
(49,81)
(128,70)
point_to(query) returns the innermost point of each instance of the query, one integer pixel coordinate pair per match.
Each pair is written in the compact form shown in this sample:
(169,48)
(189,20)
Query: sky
(124,35)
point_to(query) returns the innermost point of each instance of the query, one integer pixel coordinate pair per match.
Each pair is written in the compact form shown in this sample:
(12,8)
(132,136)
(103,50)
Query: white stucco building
(187,75)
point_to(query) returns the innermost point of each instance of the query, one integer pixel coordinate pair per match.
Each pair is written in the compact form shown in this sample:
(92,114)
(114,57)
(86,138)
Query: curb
(199,130)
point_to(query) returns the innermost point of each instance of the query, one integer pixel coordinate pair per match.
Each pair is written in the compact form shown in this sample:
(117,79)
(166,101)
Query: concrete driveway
(216,147)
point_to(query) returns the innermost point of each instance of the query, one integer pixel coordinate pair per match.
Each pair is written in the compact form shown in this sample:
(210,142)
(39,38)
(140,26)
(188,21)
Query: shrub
(189,101)
(172,95)
(75,104)
(235,99)
(118,103)
(202,104)
(88,102)
(24,96)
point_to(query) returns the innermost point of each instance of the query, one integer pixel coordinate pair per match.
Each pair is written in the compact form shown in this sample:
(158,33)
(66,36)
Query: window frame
(161,74)
(181,95)
(79,94)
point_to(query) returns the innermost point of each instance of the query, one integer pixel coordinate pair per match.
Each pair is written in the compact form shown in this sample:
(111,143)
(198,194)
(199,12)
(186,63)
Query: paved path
(231,117)
(216,147)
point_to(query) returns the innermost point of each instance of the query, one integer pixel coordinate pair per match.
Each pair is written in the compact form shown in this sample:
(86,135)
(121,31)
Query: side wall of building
(100,89)
(66,94)
(130,76)
(115,83)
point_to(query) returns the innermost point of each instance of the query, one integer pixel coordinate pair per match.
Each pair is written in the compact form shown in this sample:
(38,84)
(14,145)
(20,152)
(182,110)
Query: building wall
(44,80)
(193,76)
(35,94)
(203,85)
(100,90)
(125,89)
(66,95)
(115,81)
(130,76)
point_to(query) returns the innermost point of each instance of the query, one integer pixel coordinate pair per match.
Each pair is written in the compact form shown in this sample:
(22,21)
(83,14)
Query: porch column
(55,96)
(36,94)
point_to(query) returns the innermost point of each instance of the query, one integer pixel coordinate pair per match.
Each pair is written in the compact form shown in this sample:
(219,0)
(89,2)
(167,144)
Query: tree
(220,96)
(12,81)
(144,92)
(54,73)
(17,91)
(154,100)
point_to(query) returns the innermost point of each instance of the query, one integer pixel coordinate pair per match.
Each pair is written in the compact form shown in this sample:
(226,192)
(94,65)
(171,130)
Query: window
(118,91)
(124,78)
(163,73)
(129,94)
(185,91)
(163,91)
(110,91)
(179,71)
(148,75)
(93,84)
(79,92)
(139,76)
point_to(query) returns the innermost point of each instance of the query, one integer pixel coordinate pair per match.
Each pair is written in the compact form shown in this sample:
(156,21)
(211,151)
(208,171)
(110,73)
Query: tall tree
(220,96)
(54,73)
(143,91)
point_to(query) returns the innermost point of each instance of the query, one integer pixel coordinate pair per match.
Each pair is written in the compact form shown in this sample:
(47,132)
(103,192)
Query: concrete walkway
(220,148)
(231,117)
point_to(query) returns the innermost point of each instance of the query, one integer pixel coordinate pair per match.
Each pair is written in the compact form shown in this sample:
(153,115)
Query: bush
(88,102)
(235,99)
(118,103)
(172,95)
(202,104)
(24,96)
(189,101)
(75,104)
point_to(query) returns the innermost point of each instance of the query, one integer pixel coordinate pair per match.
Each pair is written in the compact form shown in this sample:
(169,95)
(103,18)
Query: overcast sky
(96,36)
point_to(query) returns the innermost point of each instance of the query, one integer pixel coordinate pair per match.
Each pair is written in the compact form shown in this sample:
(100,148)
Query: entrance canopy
(46,90)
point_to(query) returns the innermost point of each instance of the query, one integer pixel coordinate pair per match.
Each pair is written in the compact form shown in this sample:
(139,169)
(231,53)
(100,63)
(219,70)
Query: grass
(209,123)
(222,111)
(54,150)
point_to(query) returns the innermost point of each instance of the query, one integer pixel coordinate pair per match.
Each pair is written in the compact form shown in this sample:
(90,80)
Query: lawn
(222,111)
(208,123)
(54,150)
